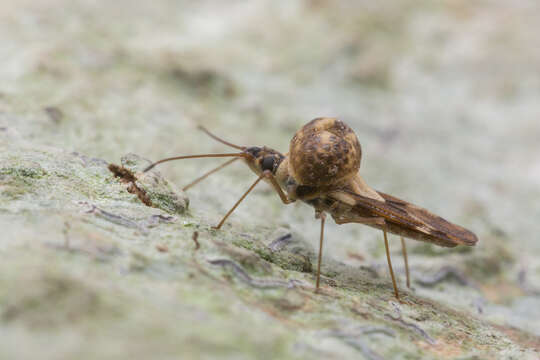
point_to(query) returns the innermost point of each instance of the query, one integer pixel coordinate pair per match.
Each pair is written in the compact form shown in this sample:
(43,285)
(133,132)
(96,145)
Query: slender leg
(238,202)
(390,266)
(202,177)
(323,217)
(404,249)
(266,174)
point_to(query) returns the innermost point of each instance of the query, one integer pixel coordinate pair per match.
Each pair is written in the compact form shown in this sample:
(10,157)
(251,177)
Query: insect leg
(202,177)
(238,202)
(404,250)
(322,217)
(390,266)
(268,174)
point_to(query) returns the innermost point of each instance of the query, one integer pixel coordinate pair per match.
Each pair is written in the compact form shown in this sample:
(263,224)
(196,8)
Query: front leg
(268,174)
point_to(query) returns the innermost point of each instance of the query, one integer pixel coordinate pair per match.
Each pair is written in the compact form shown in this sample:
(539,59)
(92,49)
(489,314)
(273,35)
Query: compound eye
(268,163)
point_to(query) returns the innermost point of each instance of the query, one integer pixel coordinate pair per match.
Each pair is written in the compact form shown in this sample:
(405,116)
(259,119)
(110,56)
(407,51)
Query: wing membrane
(407,219)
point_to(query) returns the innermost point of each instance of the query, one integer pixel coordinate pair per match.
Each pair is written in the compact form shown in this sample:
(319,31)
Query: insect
(321,169)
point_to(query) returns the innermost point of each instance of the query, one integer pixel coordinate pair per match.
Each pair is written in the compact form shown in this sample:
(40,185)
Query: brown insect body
(309,174)
(322,170)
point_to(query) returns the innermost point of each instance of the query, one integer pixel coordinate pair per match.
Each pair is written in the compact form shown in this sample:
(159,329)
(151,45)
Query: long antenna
(194,157)
(205,130)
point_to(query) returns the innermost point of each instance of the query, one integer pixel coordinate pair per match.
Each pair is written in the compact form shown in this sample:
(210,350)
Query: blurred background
(443,95)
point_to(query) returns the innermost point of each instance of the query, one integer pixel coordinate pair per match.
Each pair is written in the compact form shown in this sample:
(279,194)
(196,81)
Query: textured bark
(104,264)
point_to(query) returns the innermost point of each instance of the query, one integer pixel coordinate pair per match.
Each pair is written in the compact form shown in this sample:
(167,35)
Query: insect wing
(409,220)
